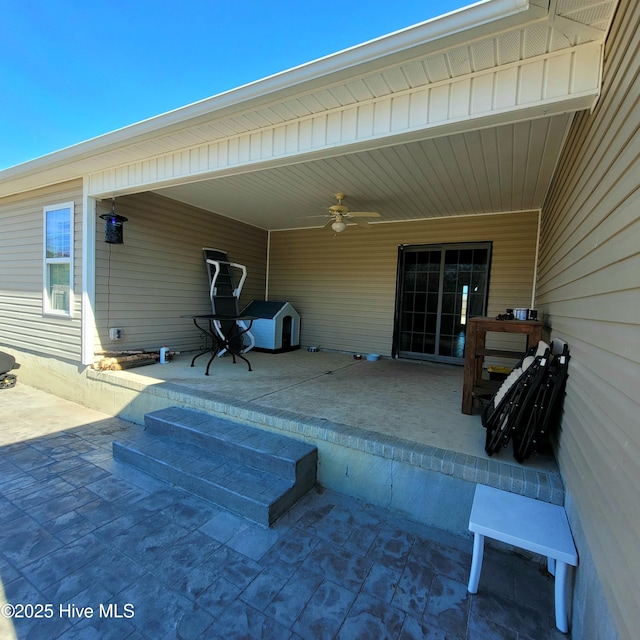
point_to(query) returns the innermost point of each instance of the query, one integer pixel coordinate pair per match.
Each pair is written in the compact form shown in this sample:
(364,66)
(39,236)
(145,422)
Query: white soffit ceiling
(505,168)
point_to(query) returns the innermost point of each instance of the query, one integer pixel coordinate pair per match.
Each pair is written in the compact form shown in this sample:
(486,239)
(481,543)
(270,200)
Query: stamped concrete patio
(81,534)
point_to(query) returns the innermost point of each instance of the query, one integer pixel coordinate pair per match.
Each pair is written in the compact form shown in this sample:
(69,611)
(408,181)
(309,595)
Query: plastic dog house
(277,327)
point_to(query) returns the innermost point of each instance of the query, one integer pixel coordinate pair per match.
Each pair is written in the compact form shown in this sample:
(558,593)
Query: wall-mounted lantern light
(113,225)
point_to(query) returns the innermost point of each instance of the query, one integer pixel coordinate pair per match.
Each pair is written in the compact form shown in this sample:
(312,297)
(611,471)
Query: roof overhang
(498,75)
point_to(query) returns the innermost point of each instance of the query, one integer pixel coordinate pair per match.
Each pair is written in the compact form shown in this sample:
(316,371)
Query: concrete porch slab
(390,432)
(416,401)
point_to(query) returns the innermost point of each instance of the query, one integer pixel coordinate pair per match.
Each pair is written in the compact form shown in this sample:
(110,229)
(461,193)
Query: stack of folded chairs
(527,406)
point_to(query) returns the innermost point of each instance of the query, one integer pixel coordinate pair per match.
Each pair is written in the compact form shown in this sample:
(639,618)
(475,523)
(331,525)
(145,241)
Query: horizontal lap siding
(344,286)
(144,285)
(589,284)
(22,324)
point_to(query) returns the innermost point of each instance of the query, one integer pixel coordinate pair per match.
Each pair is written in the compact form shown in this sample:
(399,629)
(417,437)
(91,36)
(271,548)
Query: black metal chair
(513,400)
(543,416)
(225,294)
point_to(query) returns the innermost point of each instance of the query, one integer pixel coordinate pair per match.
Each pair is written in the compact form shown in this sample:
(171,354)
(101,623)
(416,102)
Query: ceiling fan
(339,214)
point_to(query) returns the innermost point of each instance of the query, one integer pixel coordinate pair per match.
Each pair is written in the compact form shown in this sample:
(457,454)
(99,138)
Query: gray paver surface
(118,554)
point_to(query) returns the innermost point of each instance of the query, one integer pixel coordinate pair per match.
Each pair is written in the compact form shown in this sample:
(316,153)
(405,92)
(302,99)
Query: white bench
(528,524)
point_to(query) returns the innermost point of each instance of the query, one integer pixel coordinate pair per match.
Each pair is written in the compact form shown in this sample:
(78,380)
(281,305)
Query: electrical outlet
(115,334)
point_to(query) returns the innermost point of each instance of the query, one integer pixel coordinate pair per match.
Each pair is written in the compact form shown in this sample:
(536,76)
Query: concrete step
(259,477)
(279,455)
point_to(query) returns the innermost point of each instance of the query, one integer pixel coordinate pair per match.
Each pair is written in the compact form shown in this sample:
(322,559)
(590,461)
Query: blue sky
(71,70)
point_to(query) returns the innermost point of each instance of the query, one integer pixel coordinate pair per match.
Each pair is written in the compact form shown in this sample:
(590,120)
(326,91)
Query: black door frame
(442,246)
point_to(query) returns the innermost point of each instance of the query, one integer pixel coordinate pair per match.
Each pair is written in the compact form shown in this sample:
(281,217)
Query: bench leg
(476,562)
(562,570)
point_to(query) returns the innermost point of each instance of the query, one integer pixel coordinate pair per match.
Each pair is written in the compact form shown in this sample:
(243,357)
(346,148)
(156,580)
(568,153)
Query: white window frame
(47,307)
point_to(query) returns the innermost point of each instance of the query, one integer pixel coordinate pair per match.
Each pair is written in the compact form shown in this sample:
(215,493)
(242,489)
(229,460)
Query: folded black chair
(544,415)
(513,401)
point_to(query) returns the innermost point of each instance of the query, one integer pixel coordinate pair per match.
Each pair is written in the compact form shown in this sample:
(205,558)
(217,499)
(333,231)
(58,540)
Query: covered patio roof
(463,114)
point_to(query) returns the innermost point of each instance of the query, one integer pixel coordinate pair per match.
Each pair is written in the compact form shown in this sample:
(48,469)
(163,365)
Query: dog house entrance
(287,324)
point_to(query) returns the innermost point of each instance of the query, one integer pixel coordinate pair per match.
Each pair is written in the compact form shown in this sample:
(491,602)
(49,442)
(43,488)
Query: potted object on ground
(7,363)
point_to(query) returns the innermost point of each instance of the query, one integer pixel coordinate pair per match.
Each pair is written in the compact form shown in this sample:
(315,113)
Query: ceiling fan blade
(329,223)
(362,223)
(363,214)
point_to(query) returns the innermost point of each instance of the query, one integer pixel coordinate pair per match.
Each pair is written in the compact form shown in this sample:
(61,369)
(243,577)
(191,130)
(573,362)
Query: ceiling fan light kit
(340,213)
(338,226)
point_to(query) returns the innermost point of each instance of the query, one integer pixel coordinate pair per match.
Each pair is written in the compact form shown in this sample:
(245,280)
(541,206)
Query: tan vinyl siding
(22,324)
(344,286)
(589,285)
(144,285)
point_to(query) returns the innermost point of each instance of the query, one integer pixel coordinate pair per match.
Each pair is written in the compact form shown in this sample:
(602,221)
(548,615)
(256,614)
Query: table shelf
(499,353)
(476,351)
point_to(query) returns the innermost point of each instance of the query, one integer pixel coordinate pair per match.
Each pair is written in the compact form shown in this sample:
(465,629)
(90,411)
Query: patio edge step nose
(254,473)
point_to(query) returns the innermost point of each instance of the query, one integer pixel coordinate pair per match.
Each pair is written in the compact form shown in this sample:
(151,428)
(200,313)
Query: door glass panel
(421,276)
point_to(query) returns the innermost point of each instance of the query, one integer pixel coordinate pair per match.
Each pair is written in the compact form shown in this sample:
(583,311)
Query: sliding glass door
(439,287)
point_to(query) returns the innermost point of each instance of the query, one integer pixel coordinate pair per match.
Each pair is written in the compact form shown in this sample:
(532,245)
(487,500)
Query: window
(58,259)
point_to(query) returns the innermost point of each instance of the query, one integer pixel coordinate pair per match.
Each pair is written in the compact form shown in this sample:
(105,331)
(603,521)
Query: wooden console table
(475,350)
